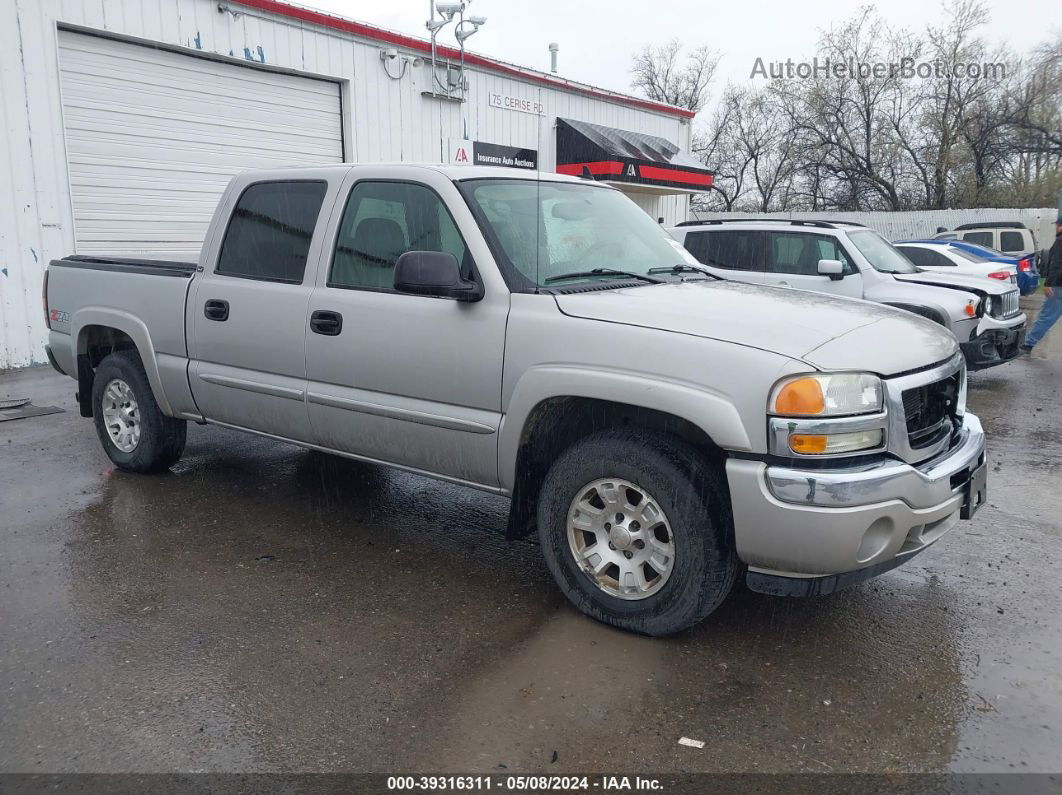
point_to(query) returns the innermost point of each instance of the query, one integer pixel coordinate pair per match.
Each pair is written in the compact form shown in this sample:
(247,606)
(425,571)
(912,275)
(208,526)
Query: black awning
(605,153)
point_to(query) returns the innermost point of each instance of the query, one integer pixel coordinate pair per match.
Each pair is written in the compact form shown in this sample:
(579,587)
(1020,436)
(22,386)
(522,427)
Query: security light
(462,32)
(449,9)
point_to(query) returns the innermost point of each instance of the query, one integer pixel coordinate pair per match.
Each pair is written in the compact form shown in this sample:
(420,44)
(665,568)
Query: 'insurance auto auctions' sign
(464,152)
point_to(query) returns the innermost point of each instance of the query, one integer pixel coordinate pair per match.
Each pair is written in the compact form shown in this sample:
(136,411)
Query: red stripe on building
(674,175)
(409,42)
(614,168)
(597,168)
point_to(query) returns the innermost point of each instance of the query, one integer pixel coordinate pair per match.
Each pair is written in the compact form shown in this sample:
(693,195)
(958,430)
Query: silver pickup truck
(539,336)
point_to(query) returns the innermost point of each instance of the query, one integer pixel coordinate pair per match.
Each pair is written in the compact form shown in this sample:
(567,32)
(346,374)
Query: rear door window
(1011,241)
(733,249)
(269,234)
(980,238)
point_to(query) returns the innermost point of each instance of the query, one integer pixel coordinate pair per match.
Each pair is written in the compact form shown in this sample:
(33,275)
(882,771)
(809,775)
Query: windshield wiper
(603,272)
(683,267)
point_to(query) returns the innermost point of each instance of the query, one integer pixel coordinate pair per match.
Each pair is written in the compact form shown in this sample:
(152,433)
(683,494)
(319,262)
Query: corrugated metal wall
(384,119)
(922,224)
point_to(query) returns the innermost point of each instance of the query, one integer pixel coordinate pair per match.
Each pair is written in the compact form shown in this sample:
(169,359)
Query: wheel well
(94,344)
(557,423)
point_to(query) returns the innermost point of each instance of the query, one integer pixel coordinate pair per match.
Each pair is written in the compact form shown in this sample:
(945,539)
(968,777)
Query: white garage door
(153,136)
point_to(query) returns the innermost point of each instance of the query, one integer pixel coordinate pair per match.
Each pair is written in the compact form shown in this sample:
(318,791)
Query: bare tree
(663,74)
(715,146)
(938,127)
(841,119)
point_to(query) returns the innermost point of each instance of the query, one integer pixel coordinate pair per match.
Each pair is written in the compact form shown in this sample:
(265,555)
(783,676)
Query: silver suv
(851,260)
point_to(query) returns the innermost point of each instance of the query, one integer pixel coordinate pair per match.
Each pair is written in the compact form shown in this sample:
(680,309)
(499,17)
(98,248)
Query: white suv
(851,260)
(1008,237)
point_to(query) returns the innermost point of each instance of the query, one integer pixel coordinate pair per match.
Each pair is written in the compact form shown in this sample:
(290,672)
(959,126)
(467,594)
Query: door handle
(326,322)
(216,310)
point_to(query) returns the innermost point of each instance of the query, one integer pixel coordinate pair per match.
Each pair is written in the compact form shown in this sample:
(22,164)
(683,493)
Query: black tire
(162,438)
(693,495)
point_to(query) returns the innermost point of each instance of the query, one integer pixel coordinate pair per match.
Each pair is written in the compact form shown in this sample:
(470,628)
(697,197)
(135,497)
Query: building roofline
(365,31)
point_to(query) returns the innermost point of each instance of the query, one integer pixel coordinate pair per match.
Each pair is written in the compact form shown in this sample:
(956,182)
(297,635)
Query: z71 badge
(57,317)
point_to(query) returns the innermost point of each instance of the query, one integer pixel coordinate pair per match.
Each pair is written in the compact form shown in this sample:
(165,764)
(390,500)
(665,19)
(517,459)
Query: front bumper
(994,346)
(849,523)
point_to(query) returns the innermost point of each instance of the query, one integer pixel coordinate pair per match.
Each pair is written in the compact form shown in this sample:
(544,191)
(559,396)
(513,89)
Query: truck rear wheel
(636,530)
(134,432)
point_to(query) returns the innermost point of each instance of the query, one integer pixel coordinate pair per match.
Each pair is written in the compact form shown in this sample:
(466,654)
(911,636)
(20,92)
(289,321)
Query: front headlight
(827,395)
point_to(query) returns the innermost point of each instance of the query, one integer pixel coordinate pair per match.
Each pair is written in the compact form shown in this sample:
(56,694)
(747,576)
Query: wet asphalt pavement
(263,608)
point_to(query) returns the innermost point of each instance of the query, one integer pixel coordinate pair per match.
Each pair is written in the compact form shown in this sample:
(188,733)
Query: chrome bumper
(920,486)
(813,522)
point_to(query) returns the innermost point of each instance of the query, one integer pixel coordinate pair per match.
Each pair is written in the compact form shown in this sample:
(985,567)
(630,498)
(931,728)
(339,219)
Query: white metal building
(124,120)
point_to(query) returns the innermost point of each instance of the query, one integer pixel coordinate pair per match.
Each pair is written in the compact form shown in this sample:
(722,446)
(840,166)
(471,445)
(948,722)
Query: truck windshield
(556,233)
(880,253)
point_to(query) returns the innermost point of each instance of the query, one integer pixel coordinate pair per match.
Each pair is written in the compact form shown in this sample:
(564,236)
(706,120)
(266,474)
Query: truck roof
(456,173)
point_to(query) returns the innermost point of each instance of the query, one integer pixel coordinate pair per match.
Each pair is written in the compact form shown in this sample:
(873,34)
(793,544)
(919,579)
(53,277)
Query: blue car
(1025,266)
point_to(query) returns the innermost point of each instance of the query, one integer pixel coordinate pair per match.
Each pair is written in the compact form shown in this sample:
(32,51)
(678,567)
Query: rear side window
(980,238)
(735,249)
(919,256)
(270,231)
(1011,241)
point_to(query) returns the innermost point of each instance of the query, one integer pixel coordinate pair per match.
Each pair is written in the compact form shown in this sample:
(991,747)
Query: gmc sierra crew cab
(539,336)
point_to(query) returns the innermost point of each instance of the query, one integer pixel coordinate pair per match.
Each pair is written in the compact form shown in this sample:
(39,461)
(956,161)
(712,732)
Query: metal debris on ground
(691,743)
(21,408)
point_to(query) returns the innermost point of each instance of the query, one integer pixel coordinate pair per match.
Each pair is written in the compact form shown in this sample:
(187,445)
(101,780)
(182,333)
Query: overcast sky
(597,39)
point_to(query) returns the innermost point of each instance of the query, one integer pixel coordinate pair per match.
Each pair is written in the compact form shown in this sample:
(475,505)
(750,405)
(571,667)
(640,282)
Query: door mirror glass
(833,268)
(434,273)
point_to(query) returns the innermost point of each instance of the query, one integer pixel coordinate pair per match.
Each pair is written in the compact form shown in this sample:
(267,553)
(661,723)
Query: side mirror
(434,273)
(833,268)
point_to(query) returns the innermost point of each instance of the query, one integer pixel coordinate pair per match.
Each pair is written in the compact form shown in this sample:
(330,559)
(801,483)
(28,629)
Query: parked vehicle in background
(1008,237)
(851,260)
(544,339)
(972,259)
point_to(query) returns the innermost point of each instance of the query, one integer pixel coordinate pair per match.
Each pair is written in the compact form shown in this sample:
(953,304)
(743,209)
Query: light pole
(462,31)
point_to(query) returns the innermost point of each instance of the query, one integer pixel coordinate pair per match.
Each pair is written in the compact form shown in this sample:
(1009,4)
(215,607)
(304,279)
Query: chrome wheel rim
(620,538)
(121,416)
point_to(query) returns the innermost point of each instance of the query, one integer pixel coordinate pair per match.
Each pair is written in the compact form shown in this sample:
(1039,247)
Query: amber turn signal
(833,443)
(800,397)
(807,443)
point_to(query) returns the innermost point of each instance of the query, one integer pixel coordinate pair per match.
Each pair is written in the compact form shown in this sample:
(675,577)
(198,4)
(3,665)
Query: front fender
(712,413)
(137,332)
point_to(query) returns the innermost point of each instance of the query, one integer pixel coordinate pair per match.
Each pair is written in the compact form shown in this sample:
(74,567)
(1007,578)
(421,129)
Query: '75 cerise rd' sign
(508,102)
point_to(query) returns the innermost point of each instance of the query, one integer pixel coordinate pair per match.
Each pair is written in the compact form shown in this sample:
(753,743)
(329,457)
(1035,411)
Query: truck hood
(983,286)
(826,332)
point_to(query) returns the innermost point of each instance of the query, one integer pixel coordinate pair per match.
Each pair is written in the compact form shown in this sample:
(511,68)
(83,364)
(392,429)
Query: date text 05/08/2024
(521,783)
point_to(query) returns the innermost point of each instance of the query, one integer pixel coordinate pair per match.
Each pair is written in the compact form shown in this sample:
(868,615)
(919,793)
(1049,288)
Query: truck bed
(143,297)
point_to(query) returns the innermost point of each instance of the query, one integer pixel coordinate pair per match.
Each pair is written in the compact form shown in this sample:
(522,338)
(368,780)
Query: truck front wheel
(636,530)
(134,432)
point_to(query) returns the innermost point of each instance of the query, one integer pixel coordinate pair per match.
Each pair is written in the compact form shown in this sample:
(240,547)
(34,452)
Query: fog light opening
(875,539)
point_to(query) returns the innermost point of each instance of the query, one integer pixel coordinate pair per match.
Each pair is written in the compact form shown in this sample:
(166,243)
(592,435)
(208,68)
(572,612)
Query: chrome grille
(923,410)
(1005,305)
(929,409)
